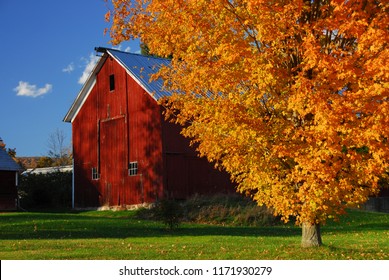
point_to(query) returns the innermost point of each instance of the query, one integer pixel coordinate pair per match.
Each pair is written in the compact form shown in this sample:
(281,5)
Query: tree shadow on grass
(359,221)
(80,226)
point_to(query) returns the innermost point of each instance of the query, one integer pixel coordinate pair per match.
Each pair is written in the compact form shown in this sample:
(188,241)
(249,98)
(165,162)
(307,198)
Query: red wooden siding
(112,129)
(8,191)
(112,161)
(117,127)
(187,174)
(145,141)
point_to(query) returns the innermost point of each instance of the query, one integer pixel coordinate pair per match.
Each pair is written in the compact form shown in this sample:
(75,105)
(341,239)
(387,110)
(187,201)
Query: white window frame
(133,168)
(95,174)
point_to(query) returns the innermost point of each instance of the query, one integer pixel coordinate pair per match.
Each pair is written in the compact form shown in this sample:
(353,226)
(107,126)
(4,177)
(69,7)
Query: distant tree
(28,162)
(11,152)
(58,150)
(45,162)
(290,97)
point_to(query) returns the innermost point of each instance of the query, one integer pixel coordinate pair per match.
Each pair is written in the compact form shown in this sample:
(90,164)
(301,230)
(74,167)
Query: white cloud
(119,48)
(69,68)
(26,89)
(90,65)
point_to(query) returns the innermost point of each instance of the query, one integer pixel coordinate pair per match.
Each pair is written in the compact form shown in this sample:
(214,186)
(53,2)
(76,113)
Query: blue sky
(47,51)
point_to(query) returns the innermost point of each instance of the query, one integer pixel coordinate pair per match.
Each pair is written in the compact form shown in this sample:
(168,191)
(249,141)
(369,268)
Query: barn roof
(139,67)
(7,163)
(47,170)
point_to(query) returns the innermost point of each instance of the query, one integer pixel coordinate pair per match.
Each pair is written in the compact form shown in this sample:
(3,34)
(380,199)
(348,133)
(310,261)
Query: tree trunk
(311,235)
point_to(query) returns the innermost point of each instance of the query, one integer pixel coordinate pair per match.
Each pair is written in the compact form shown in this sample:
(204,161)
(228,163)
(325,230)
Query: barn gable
(139,67)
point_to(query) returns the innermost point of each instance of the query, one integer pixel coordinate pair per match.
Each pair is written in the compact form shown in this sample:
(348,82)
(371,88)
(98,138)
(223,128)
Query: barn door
(113,166)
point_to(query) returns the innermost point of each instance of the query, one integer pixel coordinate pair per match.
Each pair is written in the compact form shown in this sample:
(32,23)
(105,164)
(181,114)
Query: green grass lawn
(120,235)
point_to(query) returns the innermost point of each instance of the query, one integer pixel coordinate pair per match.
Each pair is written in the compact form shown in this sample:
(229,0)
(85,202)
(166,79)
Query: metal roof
(7,163)
(139,67)
(46,170)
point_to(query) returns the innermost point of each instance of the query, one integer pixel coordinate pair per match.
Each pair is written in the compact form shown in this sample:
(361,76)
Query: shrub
(51,190)
(170,212)
(219,209)
(228,210)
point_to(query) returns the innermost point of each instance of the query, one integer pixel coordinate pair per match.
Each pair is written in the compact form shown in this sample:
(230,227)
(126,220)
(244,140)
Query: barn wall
(185,173)
(8,190)
(112,118)
(85,153)
(145,142)
(114,128)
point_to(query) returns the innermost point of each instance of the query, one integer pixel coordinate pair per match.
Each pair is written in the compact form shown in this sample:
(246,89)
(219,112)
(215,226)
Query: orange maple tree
(290,97)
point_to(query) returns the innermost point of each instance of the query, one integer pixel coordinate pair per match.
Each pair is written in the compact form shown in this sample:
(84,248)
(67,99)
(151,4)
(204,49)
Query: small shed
(124,151)
(9,172)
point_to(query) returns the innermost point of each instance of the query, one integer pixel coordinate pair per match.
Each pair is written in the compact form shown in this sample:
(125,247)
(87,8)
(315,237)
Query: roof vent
(100,49)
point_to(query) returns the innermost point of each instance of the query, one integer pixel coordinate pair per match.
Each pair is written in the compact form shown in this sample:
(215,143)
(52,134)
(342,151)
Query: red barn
(9,171)
(124,151)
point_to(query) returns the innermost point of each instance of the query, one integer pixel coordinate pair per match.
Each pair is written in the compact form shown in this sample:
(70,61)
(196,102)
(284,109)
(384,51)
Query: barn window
(133,168)
(95,174)
(111,82)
